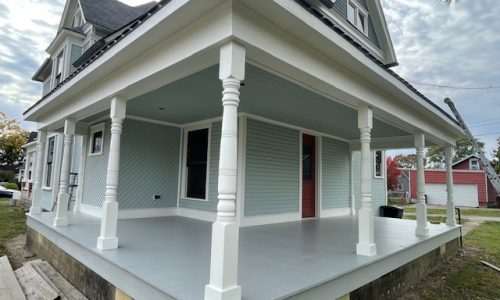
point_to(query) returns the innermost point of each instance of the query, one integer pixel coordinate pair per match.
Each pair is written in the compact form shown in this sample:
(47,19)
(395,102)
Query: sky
(457,47)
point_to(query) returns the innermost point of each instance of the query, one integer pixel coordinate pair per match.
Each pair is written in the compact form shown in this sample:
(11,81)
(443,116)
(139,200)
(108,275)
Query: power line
(486,134)
(491,87)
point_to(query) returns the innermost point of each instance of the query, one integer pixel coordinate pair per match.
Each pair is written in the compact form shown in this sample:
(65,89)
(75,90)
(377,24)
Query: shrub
(11,186)
(7,175)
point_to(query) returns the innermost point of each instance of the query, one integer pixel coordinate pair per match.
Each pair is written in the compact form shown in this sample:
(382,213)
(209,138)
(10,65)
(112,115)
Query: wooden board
(9,287)
(65,289)
(33,285)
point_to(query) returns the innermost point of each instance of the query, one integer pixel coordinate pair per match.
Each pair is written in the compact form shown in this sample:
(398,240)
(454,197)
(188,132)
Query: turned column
(109,220)
(37,186)
(422,224)
(450,204)
(224,254)
(366,240)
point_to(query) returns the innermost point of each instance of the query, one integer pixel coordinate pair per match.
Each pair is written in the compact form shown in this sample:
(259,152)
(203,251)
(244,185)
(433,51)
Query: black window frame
(196,163)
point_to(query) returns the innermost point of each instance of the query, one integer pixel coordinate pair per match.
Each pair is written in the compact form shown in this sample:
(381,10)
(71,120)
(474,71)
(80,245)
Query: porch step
(39,280)
(9,287)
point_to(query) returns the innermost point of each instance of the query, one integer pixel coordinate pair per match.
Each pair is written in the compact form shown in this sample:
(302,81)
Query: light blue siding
(76,52)
(335,174)
(378,184)
(149,165)
(46,200)
(272,169)
(213,173)
(96,166)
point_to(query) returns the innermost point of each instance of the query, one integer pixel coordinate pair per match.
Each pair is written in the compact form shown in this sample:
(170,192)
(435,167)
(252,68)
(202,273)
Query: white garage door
(463,194)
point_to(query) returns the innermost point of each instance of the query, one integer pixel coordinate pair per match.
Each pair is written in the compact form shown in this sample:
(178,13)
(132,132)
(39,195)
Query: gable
(71,8)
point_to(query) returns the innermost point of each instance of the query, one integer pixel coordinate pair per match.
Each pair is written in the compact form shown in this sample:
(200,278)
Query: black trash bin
(391,211)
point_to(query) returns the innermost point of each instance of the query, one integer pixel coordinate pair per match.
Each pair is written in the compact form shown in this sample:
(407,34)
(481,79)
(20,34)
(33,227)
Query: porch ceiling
(198,97)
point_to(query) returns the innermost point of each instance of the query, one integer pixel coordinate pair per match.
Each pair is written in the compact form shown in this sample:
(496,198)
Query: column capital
(232,61)
(118,107)
(419,139)
(365,117)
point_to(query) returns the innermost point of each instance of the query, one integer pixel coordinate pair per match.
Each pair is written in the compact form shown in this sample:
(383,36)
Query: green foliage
(463,148)
(7,176)
(496,156)
(12,223)
(408,161)
(11,186)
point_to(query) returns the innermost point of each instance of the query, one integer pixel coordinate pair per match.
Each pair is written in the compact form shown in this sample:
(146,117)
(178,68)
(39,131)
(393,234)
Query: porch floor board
(276,261)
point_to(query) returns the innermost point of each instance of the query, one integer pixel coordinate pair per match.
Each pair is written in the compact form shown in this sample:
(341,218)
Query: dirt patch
(17,252)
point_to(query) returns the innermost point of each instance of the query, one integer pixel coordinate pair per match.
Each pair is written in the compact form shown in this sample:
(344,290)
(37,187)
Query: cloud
(454,46)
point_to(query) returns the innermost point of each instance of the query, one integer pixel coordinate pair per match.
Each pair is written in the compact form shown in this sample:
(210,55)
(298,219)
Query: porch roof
(171,255)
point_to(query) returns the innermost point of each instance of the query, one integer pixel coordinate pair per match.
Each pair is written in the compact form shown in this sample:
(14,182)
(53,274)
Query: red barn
(471,185)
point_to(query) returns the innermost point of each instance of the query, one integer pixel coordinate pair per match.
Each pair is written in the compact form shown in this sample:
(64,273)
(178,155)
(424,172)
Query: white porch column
(37,186)
(366,241)
(450,204)
(109,219)
(26,178)
(81,174)
(61,218)
(225,231)
(352,197)
(422,224)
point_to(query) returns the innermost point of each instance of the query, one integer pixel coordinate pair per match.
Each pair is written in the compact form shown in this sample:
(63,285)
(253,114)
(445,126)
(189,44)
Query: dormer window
(59,67)
(473,164)
(358,17)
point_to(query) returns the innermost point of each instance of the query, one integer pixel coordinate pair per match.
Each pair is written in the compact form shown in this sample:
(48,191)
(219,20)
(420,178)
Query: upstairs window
(59,67)
(474,164)
(379,164)
(358,17)
(50,161)
(196,164)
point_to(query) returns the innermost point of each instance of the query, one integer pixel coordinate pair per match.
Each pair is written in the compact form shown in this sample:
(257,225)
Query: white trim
(198,126)
(209,216)
(352,195)
(53,165)
(477,164)
(464,159)
(81,174)
(286,125)
(357,10)
(201,124)
(100,127)
(319,174)
(382,169)
(153,121)
(147,213)
(181,164)
(301,135)
(335,212)
(91,210)
(242,149)
(271,219)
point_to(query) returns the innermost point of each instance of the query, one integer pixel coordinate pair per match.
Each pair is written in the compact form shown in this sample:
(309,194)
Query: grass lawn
(12,223)
(482,212)
(432,219)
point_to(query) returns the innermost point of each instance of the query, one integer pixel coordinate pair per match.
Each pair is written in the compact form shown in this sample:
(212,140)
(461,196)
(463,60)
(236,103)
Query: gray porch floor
(276,261)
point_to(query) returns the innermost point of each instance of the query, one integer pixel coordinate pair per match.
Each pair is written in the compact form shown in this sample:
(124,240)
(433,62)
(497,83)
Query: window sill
(46,188)
(95,154)
(194,199)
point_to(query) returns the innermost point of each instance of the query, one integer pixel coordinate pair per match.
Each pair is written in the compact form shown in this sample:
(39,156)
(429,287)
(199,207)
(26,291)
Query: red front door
(308,176)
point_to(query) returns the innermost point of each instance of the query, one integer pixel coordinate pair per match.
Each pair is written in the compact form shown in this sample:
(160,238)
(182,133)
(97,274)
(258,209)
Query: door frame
(318,172)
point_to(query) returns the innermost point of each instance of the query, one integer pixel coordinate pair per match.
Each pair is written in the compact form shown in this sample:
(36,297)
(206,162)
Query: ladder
(485,163)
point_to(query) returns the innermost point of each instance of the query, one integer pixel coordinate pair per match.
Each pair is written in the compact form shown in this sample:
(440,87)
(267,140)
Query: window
(196,163)
(358,17)
(50,161)
(96,139)
(59,67)
(474,164)
(379,169)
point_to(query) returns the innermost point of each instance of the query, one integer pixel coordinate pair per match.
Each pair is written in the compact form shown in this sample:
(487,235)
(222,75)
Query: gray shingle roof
(112,14)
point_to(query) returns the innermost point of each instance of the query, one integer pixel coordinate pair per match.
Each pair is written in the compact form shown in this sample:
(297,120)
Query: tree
(392,173)
(408,161)
(12,137)
(496,156)
(463,148)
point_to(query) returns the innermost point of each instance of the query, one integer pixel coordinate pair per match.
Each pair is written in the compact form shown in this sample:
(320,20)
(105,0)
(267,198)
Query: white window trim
(44,179)
(382,164)
(94,129)
(477,162)
(357,10)
(186,130)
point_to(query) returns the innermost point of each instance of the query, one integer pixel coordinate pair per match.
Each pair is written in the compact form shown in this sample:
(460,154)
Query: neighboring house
(27,169)
(472,186)
(172,181)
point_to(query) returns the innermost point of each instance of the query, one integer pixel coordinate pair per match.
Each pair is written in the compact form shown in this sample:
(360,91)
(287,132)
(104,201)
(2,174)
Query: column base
(35,210)
(422,231)
(366,249)
(107,243)
(58,222)
(214,293)
(450,214)
(422,224)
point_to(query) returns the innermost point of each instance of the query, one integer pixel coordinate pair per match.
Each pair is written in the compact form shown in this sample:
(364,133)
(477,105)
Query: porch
(169,257)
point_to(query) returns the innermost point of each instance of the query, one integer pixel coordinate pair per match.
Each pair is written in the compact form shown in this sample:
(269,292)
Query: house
(230,149)
(472,186)
(27,169)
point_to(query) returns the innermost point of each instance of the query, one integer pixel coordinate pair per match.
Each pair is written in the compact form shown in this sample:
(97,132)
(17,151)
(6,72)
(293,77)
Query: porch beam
(422,224)
(450,204)
(225,230)
(109,219)
(366,241)
(61,218)
(35,208)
